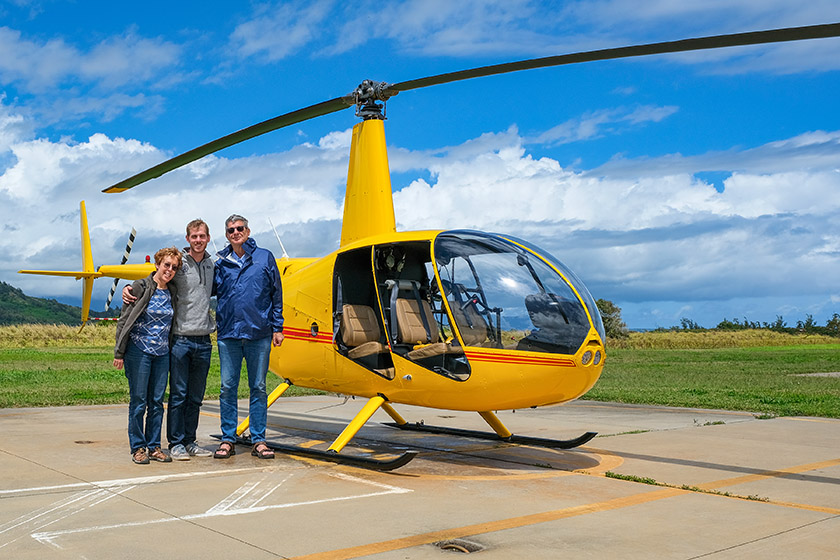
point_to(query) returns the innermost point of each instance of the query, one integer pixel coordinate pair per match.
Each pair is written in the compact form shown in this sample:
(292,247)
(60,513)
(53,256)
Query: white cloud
(595,124)
(279,30)
(41,65)
(128,59)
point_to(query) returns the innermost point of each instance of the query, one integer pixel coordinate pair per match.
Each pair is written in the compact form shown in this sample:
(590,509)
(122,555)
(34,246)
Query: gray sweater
(194,284)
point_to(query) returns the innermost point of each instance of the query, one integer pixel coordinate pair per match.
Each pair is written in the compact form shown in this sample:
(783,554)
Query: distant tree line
(17,308)
(831,328)
(616,328)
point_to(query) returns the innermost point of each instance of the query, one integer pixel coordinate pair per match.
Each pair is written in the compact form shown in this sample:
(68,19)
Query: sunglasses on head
(235,228)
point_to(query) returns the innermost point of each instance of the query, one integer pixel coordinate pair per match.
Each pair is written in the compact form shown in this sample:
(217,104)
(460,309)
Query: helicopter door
(359,331)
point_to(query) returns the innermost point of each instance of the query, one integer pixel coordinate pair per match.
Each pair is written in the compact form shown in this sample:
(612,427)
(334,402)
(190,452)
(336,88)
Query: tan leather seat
(471,325)
(360,331)
(410,330)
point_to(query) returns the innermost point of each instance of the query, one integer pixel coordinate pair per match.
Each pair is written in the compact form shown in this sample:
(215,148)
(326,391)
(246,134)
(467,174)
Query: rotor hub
(370,98)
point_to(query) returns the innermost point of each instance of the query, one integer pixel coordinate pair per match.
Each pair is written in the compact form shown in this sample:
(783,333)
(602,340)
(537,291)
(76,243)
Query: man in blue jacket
(249,320)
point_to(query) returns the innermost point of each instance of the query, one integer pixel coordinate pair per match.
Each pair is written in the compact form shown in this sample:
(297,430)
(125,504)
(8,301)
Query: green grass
(55,366)
(758,379)
(31,377)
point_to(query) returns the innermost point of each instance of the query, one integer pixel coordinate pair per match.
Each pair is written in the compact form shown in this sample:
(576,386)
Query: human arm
(127,296)
(128,315)
(276,300)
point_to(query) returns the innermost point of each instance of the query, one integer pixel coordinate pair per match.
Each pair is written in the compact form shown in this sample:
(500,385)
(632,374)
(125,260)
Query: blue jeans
(147,376)
(189,362)
(255,353)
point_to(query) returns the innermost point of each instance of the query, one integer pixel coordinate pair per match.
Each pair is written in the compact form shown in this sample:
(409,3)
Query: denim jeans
(255,353)
(189,362)
(147,376)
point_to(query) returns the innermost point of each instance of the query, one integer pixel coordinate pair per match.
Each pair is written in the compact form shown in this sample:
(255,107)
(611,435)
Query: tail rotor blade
(127,252)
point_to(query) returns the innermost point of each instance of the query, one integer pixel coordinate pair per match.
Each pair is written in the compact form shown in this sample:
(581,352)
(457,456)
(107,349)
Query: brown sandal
(140,457)
(160,456)
(262,450)
(224,451)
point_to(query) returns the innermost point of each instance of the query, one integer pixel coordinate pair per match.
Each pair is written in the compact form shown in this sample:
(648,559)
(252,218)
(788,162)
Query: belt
(199,338)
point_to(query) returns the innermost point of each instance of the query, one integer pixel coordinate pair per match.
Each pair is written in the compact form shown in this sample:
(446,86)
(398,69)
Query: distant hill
(18,308)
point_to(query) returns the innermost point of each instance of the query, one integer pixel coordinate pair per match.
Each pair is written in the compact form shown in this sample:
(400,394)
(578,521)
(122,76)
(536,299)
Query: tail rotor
(127,252)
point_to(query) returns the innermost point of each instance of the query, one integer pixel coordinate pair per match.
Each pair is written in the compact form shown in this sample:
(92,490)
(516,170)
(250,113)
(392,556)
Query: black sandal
(262,450)
(225,450)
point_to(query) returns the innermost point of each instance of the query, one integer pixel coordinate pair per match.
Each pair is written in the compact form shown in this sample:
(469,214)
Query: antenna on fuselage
(215,249)
(285,254)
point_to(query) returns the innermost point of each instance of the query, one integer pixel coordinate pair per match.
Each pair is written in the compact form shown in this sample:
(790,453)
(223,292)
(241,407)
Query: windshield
(588,300)
(504,296)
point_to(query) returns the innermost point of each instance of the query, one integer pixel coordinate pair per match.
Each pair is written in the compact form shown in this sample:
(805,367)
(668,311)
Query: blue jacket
(249,298)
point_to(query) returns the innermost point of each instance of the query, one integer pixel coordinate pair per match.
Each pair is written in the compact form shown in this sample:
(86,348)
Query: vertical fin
(368,202)
(87,264)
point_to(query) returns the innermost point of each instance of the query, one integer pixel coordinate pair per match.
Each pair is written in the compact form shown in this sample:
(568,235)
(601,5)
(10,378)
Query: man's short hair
(236,218)
(197,223)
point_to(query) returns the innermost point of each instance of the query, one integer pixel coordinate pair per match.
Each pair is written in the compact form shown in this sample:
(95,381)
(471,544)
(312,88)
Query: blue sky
(698,185)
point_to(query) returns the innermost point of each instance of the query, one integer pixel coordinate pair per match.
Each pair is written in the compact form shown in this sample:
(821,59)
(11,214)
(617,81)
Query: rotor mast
(368,201)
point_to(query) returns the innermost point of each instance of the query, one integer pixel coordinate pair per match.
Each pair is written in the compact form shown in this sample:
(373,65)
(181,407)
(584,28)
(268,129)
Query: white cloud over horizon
(654,233)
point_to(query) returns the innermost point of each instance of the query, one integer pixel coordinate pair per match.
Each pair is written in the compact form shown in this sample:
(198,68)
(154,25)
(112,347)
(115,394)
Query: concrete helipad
(682,484)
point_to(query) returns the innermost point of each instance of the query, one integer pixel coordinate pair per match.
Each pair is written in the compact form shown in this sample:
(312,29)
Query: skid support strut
(332,454)
(356,424)
(496,424)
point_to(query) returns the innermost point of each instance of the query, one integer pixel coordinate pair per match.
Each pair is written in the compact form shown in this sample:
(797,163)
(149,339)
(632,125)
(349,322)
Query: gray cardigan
(142,289)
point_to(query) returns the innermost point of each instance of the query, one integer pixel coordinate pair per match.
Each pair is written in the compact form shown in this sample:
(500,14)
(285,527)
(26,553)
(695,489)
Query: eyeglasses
(235,228)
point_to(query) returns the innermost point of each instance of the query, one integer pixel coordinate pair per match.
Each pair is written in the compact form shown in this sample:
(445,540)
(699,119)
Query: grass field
(753,371)
(764,379)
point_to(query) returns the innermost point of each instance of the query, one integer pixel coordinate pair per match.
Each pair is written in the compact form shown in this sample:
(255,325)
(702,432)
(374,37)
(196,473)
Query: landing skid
(524,440)
(335,457)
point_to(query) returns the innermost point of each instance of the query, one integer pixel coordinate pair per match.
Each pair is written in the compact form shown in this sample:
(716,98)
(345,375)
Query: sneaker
(140,457)
(179,453)
(195,450)
(158,455)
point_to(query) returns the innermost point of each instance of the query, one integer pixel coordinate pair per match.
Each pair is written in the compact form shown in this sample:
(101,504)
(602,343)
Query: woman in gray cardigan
(143,333)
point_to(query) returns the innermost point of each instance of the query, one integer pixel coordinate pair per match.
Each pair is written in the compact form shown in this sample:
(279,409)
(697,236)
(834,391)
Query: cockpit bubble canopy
(506,293)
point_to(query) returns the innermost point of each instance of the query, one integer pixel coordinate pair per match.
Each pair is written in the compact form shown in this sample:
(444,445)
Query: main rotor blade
(701,43)
(389,90)
(317,110)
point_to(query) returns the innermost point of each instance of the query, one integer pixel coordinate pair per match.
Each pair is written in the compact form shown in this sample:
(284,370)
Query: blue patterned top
(151,331)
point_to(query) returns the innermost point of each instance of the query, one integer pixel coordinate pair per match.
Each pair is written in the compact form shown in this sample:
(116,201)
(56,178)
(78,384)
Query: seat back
(410,329)
(471,324)
(550,312)
(358,325)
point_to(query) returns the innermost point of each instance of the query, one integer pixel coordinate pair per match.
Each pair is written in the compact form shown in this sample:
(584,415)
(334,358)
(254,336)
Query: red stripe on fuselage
(500,358)
(306,335)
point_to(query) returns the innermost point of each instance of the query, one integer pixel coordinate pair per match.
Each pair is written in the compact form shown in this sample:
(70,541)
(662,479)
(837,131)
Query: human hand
(127,297)
(118,363)
(277,339)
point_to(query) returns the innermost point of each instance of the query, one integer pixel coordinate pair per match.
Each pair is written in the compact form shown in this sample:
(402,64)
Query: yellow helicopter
(447,319)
